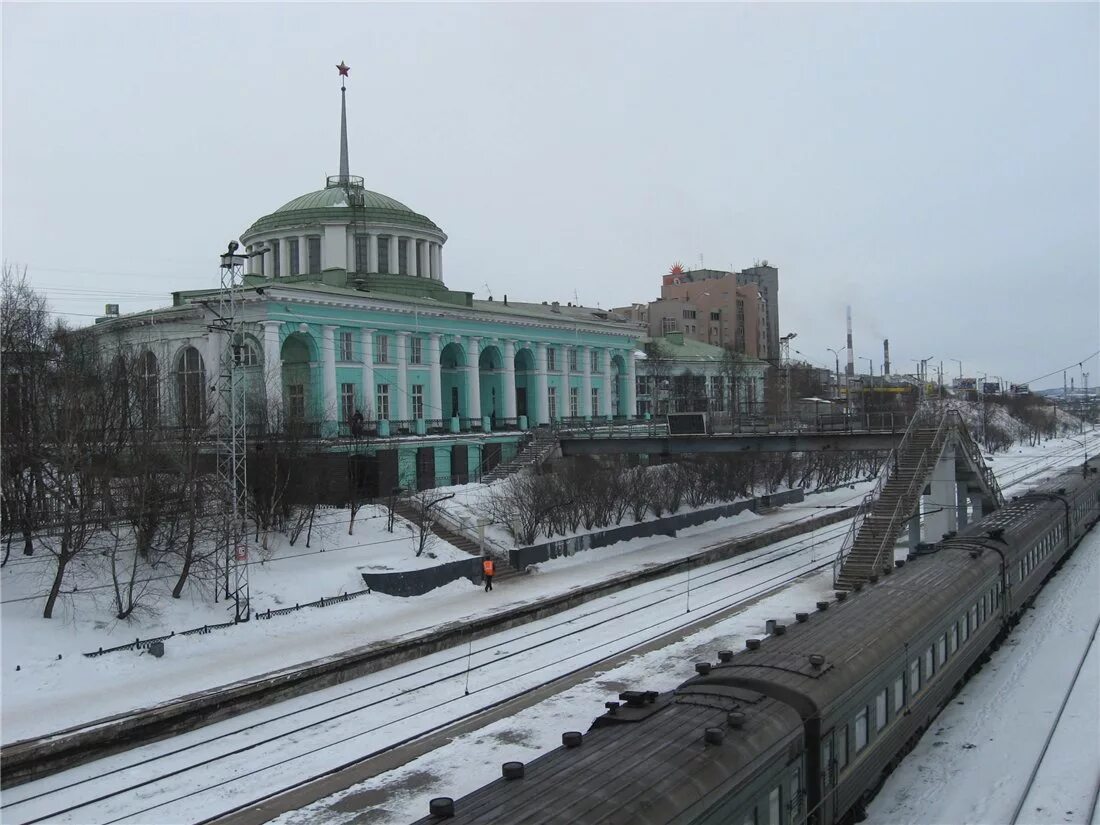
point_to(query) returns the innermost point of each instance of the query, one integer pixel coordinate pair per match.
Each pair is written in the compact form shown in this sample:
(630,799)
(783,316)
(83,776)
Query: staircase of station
(407,511)
(868,548)
(533,453)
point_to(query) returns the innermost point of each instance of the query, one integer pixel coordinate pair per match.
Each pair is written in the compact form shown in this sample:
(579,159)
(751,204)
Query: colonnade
(423,256)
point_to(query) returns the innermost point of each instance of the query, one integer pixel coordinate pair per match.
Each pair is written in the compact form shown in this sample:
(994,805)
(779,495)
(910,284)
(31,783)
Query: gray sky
(934,165)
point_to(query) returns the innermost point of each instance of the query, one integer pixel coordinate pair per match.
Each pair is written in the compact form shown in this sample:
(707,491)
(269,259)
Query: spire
(344,173)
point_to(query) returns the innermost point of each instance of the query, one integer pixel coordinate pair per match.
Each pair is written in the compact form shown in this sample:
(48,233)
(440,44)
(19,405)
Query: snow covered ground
(973,765)
(47,694)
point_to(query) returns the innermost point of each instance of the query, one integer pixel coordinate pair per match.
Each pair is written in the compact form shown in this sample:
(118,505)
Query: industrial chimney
(850,370)
(885,356)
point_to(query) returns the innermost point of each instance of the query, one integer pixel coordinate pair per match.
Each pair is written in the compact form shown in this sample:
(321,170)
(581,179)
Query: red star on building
(343,69)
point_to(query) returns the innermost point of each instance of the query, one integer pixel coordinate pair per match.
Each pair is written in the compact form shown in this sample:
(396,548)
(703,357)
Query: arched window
(191,388)
(245,354)
(149,389)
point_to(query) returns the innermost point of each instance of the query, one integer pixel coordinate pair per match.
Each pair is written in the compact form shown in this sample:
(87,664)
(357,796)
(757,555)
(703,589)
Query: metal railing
(974,452)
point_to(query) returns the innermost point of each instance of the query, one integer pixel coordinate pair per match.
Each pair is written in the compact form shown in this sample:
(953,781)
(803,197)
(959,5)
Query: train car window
(914,677)
(953,639)
(899,694)
(861,730)
(773,806)
(941,651)
(964,628)
(974,618)
(880,710)
(795,803)
(927,665)
(842,749)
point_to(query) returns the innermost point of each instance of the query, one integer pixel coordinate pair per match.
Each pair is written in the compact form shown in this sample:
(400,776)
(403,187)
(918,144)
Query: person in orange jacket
(487,570)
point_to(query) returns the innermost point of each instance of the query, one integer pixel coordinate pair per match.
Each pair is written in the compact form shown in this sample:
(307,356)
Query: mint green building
(347,318)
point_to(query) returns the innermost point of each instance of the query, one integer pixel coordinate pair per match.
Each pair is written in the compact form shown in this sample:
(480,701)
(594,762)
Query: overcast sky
(936,166)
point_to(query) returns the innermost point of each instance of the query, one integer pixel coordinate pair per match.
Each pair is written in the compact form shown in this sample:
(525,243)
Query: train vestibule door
(828,779)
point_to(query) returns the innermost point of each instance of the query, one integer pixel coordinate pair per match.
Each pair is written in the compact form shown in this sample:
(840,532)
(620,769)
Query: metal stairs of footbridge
(868,549)
(533,454)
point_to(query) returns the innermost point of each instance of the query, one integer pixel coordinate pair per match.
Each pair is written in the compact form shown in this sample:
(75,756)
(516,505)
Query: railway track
(221,768)
(1040,776)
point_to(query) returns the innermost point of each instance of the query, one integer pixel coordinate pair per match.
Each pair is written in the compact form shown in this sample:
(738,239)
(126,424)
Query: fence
(519,558)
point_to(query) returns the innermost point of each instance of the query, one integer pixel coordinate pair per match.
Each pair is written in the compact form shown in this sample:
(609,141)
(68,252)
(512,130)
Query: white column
(435,402)
(542,404)
(368,373)
(402,376)
(394,269)
(273,372)
(631,385)
(586,390)
(353,265)
(249,266)
(437,264)
(284,256)
(605,395)
(424,268)
(563,394)
(372,252)
(473,378)
(509,379)
(303,255)
(330,412)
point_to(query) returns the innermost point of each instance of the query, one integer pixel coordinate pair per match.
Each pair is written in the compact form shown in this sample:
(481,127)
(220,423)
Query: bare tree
(423,505)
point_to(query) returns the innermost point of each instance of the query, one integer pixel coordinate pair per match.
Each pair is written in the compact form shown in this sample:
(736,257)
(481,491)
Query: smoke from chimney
(851,368)
(885,356)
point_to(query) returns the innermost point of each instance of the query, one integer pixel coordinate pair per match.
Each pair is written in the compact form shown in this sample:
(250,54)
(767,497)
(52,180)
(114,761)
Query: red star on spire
(343,69)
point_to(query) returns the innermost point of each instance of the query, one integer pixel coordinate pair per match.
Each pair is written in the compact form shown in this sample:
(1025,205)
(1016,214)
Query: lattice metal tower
(232,433)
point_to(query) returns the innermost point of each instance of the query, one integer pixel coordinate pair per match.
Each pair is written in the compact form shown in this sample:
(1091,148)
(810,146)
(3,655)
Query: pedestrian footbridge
(932,483)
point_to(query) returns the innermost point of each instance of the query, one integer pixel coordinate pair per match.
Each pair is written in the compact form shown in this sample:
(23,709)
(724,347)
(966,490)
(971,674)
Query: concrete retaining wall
(521,557)
(419,582)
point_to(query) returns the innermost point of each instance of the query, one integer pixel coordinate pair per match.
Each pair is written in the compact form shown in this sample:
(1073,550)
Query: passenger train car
(803,726)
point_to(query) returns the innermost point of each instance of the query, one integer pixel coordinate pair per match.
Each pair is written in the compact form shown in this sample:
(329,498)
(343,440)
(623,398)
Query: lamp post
(960,363)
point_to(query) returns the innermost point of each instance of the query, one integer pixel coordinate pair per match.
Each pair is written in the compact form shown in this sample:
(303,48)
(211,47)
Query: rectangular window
(668,325)
(795,803)
(573,360)
(941,651)
(773,806)
(383,402)
(928,670)
(595,365)
(914,677)
(416,351)
(973,618)
(964,629)
(292,253)
(382,349)
(362,253)
(403,257)
(347,401)
(899,694)
(716,316)
(880,710)
(689,313)
(347,351)
(275,262)
(551,359)
(842,749)
(296,401)
(953,639)
(418,401)
(384,254)
(574,402)
(552,401)
(595,401)
(861,730)
(314,249)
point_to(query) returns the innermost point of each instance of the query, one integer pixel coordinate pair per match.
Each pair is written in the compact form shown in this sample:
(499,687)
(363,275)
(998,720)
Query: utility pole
(836,355)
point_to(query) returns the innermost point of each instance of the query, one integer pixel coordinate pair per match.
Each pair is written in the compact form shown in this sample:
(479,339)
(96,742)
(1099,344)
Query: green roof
(336,196)
(332,202)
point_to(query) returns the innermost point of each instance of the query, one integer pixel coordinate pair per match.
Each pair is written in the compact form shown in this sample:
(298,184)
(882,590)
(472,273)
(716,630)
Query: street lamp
(960,363)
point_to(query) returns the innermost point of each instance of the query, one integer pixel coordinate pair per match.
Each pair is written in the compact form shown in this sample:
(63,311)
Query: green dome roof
(335,202)
(336,196)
